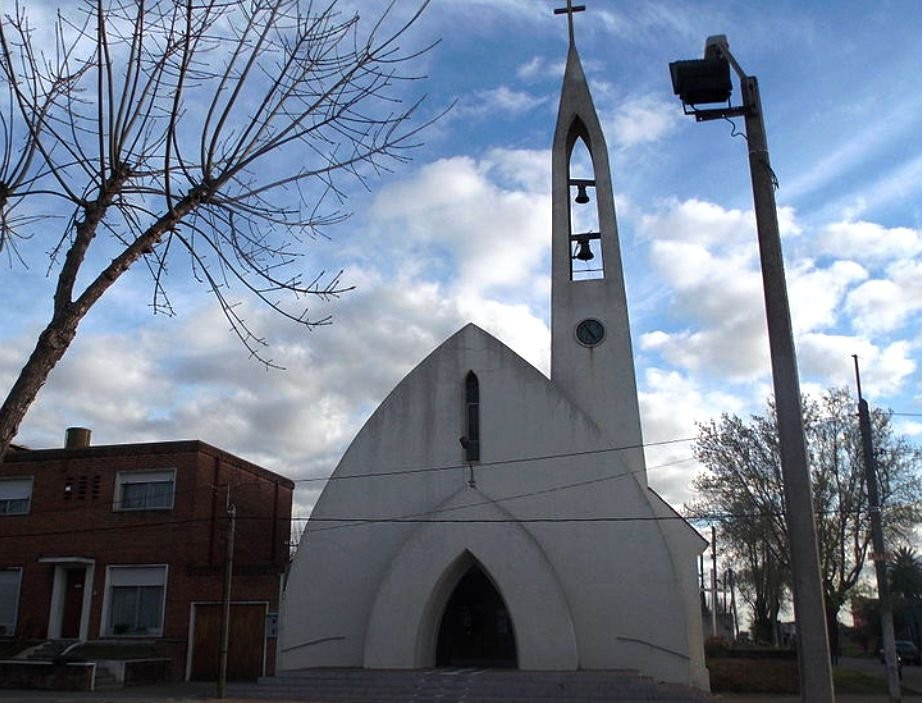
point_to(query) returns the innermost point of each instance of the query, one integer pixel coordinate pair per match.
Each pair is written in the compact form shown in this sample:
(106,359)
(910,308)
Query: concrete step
(105,680)
(464,686)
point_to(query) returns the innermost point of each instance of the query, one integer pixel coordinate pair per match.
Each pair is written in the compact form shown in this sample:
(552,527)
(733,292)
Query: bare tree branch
(229,127)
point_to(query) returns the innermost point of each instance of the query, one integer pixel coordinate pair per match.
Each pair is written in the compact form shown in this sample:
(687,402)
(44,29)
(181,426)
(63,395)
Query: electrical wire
(504,499)
(498,463)
(93,507)
(240,518)
(697,517)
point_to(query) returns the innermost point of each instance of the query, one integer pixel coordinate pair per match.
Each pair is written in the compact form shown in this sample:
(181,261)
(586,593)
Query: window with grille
(9,600)
(15,495)
(145,490)
(135,597)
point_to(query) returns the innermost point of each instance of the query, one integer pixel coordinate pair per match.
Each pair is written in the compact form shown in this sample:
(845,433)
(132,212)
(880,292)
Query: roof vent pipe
(77,438)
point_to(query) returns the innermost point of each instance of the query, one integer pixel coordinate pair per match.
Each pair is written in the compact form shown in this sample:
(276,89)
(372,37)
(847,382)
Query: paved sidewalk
(196,693)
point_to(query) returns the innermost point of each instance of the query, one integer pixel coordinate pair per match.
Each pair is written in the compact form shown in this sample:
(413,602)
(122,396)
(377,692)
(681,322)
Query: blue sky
(462,233)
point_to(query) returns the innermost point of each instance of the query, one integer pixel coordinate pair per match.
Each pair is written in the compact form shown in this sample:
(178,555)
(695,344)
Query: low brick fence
(52,676)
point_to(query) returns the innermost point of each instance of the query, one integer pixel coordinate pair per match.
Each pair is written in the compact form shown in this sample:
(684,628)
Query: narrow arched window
(471,417)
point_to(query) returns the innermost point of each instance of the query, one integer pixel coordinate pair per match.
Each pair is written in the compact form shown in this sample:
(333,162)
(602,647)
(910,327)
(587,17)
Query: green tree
(742,491)
(905,572)
(214,133)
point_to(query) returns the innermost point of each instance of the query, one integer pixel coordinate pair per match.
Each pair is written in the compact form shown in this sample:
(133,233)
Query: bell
(581,196)
(584,253)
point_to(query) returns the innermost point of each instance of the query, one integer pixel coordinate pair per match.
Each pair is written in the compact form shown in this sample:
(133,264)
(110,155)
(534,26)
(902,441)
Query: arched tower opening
(476,628)
(586,262)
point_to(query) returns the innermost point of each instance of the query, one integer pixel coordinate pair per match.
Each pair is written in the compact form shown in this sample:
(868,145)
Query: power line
(504,499)
(294,518)
(90,506)
(498,463)
(699,517)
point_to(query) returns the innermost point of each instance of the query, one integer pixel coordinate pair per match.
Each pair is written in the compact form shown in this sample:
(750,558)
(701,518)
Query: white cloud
(827,358)
(816,294)
(731,352)
(699,221)
(885,304)
(878,306)
(647,23)
(701,252)
(851,153)
(869,240)
(909,428)
(497,101)
(788,226)
(670,405)
(470,216)
(539,67)
(641,119)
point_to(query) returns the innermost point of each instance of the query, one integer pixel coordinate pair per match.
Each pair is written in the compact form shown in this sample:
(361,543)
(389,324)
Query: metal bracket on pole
(715,113)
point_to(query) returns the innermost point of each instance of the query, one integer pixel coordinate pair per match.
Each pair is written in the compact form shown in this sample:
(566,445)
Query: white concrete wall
(372,595)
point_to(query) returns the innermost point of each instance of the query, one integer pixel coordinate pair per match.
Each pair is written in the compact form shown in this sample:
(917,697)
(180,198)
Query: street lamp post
(708,81)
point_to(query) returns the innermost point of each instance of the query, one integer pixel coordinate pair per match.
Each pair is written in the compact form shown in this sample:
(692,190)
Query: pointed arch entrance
(476,628)
(405,620)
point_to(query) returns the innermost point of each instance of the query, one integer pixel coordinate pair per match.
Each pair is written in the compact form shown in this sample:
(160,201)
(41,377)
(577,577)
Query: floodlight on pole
(706,82)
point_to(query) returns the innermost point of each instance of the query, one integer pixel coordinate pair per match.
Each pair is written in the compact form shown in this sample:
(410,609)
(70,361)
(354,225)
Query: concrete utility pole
(713,581)
(730,577)
(809,607)
(877,539)
(226,597)
(708,81)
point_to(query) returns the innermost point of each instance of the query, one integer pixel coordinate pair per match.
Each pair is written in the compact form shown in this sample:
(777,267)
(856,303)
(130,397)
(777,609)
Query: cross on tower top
(569,10)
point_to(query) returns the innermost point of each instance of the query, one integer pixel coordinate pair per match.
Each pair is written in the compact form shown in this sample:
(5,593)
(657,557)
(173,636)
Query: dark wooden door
(73,603)
(245,647)
(476,629)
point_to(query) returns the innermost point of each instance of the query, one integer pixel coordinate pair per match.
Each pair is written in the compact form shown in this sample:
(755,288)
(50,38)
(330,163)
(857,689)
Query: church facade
(534,541)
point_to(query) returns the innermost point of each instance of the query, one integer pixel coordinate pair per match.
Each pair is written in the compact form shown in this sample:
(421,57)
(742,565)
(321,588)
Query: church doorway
(476,629)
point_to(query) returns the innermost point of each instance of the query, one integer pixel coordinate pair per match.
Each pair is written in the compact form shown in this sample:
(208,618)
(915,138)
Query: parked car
(906,651)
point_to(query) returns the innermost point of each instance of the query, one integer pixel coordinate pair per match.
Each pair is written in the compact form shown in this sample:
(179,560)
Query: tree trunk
(832,628)
(58,335)
(52,343)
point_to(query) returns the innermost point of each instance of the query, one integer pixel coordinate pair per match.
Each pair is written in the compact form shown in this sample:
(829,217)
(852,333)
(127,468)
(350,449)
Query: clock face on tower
(590,332)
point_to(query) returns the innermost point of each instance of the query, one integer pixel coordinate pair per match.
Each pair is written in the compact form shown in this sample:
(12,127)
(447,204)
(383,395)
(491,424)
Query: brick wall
(80,524)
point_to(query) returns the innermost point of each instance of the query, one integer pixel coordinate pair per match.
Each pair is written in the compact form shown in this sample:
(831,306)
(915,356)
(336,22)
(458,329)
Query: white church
(533,541)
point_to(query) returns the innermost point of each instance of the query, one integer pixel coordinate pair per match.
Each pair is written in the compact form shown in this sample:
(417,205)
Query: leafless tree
(214,130)
(742,490)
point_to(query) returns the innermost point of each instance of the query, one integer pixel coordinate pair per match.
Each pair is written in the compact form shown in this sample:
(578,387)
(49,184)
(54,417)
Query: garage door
(246,647)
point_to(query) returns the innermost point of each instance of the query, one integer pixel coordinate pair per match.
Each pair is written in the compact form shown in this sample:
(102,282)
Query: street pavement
(197,692)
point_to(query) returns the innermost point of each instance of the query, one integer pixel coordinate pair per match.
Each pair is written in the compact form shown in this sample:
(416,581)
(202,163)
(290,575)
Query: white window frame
(15,488)
(9,628)
(105,628)
(125,478)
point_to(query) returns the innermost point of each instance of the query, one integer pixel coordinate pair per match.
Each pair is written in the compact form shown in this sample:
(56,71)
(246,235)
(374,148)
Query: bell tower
(591,356)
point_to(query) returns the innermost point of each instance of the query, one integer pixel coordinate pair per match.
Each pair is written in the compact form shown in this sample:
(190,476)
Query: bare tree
(742,489)
(215,130)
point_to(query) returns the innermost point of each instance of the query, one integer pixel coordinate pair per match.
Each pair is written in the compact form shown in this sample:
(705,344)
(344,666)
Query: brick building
(125,544)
